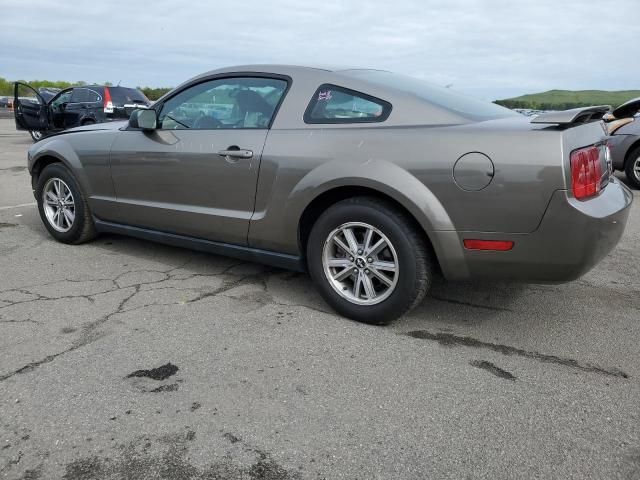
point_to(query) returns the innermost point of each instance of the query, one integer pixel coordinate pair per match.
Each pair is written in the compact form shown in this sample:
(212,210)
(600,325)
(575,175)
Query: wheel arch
(57,151)
(335,180)
(336,194)
(41,162)
(635,145)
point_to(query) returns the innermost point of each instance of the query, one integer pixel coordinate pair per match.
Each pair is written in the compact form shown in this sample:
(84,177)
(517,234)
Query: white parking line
(18,206)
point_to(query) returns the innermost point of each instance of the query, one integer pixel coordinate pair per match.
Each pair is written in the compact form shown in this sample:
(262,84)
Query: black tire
(88,121)
(82,229)
(415,260)
(630,165)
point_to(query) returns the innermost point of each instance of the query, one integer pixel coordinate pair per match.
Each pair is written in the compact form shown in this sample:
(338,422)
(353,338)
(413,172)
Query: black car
(44,112)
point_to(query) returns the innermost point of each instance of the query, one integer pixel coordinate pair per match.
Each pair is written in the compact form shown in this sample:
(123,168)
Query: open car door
(30,109)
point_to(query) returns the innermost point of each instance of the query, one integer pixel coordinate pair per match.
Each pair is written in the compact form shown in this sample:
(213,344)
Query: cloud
(489,47)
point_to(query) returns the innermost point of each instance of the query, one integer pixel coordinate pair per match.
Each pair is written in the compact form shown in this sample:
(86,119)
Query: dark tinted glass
(125,96)
(84,95)
(464,106)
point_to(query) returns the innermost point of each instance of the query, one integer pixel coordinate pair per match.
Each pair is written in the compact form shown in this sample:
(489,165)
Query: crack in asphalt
(26,320)
(452,340)
(470,304)
(89,330)
(493,369)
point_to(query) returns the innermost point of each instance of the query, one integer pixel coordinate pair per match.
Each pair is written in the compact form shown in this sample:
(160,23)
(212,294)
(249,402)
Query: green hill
(565,99)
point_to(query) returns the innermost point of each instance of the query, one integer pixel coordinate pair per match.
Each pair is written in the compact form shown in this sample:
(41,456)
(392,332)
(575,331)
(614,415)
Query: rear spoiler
(575,115)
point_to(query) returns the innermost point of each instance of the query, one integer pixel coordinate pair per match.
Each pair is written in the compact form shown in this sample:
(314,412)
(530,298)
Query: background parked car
(624,128)
(48,92)
(4,102)
(46,111)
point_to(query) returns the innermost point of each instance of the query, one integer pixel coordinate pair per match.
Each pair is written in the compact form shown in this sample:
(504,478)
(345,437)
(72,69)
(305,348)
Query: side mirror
(144,119)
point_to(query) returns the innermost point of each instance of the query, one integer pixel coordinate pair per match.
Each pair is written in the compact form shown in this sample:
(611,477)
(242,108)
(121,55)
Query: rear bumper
(571,239)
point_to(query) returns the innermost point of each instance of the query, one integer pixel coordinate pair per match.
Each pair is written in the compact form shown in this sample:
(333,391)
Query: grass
(564,99)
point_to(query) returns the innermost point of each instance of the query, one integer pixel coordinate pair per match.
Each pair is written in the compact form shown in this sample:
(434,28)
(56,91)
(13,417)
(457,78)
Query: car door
(29,108)
(57,107)
(196,174)
(82,104)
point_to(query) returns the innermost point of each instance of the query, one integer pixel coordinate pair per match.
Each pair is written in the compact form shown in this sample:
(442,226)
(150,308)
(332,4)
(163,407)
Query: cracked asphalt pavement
(124,359)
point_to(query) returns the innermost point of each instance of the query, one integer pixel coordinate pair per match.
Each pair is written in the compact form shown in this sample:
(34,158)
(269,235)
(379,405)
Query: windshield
(458,103)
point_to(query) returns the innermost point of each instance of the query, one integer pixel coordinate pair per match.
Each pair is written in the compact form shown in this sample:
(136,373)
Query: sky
(486,48)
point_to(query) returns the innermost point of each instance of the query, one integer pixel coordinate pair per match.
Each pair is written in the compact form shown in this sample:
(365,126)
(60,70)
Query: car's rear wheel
(369,260)
(632,167)
(62,206)
(36,135)
(88,121)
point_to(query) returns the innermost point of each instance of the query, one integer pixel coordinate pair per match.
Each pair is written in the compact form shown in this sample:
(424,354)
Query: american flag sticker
(326,95)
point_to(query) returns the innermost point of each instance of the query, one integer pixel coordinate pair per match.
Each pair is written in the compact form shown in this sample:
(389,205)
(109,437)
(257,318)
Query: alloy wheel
(360,263)
(58,204)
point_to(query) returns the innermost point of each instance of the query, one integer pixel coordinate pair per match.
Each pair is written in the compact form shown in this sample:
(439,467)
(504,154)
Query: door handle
(236,153)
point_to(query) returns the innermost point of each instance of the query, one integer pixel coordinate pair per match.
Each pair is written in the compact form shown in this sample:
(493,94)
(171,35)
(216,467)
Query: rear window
(127,96)
(462,105)
(333,104)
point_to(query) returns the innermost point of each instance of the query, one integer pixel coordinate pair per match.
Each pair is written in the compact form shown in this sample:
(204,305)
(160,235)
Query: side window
(333,104)
(94,97)
(63,97)
(84,95)
(240,102)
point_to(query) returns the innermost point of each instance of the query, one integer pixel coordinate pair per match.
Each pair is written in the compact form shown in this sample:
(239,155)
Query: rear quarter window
(334,104)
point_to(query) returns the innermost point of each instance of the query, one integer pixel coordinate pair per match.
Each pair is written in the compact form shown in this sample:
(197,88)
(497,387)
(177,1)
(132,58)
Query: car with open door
(624,127)
(44,111)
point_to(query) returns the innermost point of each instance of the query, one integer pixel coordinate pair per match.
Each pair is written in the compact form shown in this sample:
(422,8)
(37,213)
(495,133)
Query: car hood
(99,126)
(627,109)
(91,128)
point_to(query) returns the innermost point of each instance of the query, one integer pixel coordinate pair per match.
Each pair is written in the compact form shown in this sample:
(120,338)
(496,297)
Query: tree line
(524,104)
(6,87)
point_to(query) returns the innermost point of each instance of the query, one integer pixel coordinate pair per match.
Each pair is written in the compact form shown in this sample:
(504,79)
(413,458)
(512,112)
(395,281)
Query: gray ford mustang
(372,182)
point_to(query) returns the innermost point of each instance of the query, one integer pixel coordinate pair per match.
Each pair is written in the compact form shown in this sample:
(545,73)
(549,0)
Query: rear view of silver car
(372,182)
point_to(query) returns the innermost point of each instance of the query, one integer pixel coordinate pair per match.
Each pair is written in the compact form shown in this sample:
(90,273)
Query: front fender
(63,152)
(86,155)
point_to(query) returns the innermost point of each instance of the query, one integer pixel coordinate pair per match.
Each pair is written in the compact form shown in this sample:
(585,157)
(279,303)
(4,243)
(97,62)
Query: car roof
(408,108)
(281,69)
(285,69)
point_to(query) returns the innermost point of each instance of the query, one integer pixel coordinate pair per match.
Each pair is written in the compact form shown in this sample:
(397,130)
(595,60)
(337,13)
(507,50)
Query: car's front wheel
(369,260)
(62,206)
(632,167)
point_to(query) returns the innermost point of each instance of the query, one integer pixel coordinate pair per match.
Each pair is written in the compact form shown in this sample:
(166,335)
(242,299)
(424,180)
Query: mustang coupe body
(372,182)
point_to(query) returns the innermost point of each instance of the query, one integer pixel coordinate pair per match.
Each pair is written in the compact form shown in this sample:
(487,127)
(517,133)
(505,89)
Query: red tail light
(586,172)
(499,245)
(108,104)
